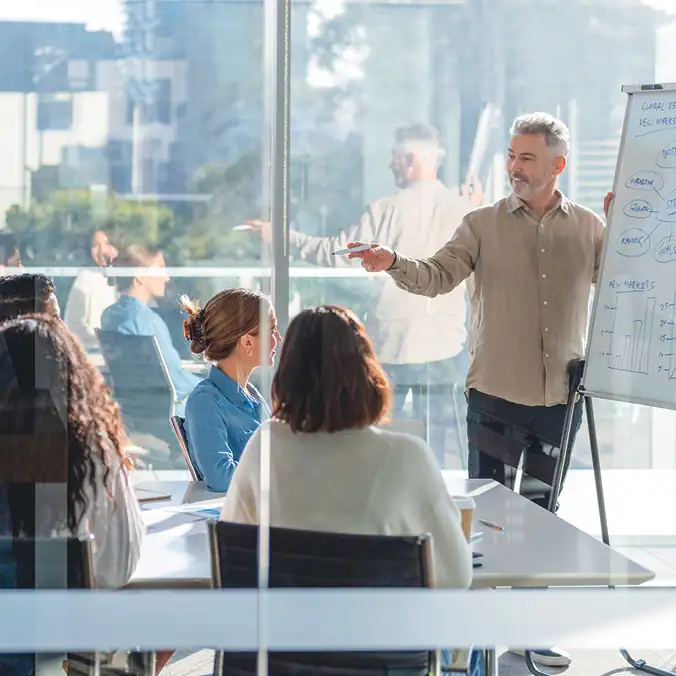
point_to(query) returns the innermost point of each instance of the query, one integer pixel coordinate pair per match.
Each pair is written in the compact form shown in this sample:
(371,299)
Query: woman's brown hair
(216,329)
(132,256)
(329,378)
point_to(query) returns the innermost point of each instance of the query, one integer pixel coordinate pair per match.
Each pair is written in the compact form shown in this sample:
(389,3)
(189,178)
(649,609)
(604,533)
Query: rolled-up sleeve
(318,250)
(442,272)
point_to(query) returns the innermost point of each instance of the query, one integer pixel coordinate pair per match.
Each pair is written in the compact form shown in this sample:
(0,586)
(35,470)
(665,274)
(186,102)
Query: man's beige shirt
(530,301)
(405,329)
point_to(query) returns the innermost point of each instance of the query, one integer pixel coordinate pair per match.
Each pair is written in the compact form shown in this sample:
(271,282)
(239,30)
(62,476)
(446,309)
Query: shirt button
(544,302)
(546,330)
(542,250)
(544,276)
(546,355)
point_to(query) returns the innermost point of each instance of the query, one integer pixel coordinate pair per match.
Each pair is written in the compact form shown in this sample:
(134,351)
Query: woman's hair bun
(193,326)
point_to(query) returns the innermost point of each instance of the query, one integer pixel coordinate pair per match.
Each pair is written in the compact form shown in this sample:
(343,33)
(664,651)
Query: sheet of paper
(159,520)
(206,509)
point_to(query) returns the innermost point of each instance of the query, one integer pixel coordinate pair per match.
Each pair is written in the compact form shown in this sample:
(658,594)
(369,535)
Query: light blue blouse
(220,416)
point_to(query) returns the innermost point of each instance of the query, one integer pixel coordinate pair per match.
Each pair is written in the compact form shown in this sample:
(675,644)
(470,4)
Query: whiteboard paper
(631,352)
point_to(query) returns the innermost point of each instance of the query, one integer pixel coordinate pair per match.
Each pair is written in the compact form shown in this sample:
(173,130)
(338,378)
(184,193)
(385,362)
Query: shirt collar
(130,301)
(514,203)
(233,392)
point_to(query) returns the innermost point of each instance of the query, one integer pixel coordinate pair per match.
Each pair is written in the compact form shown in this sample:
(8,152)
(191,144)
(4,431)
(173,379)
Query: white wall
(665,54)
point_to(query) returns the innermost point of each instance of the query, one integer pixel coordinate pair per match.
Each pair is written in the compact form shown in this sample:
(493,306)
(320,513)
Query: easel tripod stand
(575,373)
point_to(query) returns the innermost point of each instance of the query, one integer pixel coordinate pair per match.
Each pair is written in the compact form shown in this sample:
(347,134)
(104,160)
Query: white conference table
(535,549)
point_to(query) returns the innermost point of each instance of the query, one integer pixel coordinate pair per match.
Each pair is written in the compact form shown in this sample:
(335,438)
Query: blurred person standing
(91,292)
(421,342)
(10,256)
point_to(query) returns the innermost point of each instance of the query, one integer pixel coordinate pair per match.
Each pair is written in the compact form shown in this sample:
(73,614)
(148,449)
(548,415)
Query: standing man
(534,255)
(421,342)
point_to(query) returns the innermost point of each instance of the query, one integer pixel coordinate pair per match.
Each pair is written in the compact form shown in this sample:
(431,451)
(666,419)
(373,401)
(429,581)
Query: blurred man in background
(421,341)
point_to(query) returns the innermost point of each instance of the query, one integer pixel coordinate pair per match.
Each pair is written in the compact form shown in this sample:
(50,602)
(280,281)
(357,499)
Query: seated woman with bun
(331,470)
(225,409)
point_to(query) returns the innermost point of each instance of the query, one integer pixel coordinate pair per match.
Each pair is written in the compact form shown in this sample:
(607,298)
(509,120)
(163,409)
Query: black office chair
(66,563)
(530,461)
(178,425)
(140,380)
(307,559)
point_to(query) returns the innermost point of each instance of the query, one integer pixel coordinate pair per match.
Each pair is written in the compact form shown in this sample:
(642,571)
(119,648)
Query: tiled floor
(592,663)
(585,663)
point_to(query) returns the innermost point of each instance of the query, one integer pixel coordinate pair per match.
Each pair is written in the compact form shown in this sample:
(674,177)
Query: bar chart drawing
(672,340)
(632,333)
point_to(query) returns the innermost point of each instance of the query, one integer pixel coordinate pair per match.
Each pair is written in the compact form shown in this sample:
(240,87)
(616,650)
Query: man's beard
(525,188)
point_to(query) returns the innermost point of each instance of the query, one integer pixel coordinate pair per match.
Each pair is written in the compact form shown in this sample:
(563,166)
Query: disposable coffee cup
(466,506)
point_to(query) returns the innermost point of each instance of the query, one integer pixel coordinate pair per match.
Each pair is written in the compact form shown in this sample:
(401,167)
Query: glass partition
(155,149)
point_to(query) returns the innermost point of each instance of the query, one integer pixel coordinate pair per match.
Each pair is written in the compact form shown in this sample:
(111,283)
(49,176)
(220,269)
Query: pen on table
(490,524)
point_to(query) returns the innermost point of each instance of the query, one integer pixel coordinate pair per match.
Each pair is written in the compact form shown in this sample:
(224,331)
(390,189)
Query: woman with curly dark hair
(27,294)
(62,465)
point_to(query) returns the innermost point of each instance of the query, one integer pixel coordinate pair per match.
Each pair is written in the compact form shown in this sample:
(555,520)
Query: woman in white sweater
(64,471)
(331,469)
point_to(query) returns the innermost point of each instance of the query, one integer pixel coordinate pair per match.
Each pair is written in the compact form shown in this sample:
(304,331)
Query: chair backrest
(533,459)
(45,563)
(62,563)
(138,374)
(178,425)
(306,559)
(53,563)
(128,356)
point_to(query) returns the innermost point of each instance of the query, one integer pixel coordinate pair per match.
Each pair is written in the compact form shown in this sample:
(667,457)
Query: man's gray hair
(556,133)
(422,139)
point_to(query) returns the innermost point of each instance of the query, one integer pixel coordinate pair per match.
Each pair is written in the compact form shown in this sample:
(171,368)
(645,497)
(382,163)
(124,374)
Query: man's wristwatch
(394,262)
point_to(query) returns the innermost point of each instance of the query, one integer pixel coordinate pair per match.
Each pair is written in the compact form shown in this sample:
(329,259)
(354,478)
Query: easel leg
(638,664)
(596,464)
